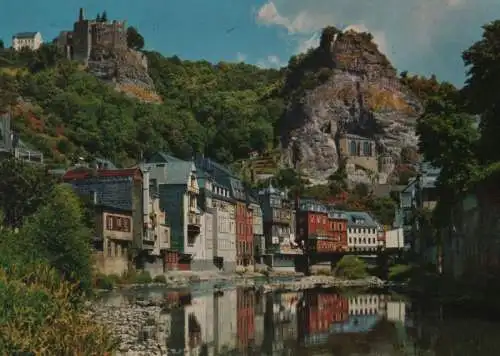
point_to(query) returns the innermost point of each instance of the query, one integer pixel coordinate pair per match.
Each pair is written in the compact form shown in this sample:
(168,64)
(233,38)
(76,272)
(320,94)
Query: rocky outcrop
(126,69)
(363,96)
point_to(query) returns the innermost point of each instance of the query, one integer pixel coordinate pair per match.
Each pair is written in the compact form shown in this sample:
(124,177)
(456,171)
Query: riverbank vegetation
(459,134)
(45,267)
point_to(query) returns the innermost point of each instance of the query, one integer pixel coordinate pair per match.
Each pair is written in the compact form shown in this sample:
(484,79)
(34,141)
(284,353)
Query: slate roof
(25,35)
(360,219)
(178,170)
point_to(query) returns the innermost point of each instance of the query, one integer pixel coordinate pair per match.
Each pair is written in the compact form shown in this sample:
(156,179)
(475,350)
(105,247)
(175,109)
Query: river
(239,321)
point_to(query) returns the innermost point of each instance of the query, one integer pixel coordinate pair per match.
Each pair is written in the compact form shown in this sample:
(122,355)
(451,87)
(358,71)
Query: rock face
(126,69)
(361,98)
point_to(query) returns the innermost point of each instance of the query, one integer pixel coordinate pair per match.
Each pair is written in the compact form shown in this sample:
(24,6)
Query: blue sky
(421,36)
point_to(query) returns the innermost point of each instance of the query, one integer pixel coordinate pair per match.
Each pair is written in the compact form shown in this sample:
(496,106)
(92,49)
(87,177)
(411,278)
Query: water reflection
(313,322)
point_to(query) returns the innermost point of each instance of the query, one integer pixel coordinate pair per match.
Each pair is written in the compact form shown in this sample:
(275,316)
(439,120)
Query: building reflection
(248,322)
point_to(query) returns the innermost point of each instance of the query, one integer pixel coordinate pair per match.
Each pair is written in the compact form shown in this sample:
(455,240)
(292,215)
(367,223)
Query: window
(367,148)
(353,148)
(109,248)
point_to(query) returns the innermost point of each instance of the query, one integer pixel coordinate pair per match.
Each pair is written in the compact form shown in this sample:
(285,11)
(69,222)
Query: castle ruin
(89,35)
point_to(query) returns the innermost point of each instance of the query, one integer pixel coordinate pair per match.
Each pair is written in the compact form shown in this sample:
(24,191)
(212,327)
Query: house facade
(279,229)
(259,241)
(178,191)
(362,231)
(155,227)
(321,228)
(117,195)
(208,223)
(27,40)
(112,240)
(225,190)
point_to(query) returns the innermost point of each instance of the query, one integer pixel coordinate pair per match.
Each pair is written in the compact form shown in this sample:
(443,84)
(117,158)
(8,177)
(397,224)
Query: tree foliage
(224,110)
(57,234)
(23,189)
(351,267)
(481,91)
(134,39)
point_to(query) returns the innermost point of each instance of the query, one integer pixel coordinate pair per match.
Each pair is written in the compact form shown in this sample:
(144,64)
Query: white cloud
(272,61)
(241,57)
(410,32)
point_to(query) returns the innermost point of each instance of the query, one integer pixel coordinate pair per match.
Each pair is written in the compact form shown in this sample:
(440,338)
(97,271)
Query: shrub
(143,277)
(351,267)
(160,279)
(42,317)
(103,281)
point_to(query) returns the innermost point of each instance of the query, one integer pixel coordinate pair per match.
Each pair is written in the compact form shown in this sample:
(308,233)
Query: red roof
(79,174)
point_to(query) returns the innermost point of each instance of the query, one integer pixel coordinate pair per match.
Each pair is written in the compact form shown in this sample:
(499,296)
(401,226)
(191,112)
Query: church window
(367,148)
(353,148)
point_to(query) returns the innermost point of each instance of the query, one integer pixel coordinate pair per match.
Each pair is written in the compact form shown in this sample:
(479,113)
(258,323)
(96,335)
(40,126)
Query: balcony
(148,239)
(193,187)
(282,217)
(194,223)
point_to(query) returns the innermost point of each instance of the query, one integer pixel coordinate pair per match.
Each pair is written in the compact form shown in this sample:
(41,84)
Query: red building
(246,317)
(323,310)
(244,234)
(322,228)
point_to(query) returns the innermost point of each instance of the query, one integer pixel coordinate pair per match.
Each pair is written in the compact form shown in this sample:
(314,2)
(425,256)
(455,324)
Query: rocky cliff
(126,69)
(355,91)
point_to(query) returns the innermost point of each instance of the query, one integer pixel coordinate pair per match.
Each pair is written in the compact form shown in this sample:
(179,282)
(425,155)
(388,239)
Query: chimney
(81,16)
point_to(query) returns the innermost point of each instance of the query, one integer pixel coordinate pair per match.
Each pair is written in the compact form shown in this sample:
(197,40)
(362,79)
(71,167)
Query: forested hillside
(224,110)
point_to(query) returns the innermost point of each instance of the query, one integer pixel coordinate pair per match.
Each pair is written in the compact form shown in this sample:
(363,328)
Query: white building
(225,321)
(199,314)
(225,230)
(394,238)
(367,304)
(29,40)
(362,231)
(396,311)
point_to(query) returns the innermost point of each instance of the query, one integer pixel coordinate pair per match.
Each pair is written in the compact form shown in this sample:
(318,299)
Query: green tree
(448,140)
(2,45)
(104,16)
(351,267)
(481,90)
(56,233)
(23,189)
(134,39)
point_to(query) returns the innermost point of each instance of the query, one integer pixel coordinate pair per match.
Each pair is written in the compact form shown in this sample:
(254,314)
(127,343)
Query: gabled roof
(25,35)
(85,173)
(178,170)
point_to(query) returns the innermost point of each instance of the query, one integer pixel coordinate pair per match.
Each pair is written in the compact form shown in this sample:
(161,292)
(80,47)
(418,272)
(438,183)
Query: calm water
(314,322)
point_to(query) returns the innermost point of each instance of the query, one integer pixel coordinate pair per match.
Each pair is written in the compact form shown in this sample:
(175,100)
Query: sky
(420,36)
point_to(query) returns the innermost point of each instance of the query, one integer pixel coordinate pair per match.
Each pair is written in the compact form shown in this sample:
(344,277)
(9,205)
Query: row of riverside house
(170,214)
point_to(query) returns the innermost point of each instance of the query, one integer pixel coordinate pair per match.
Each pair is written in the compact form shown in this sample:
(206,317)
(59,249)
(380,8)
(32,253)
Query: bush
(351,267)
(42,317)
(160,279)
(143,277)
(107,282)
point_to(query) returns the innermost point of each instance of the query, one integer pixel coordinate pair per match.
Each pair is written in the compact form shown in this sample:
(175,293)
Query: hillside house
(27,40)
